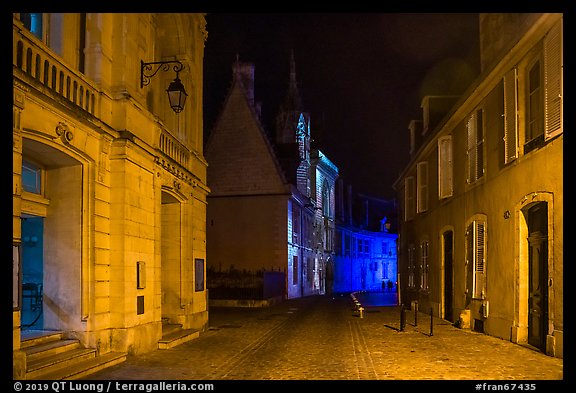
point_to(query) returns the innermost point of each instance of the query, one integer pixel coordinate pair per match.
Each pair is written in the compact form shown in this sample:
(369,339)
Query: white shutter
(409,198)
(445,167)
(553,81)
(471,148)
(422,181)
(479,258)
(510,116)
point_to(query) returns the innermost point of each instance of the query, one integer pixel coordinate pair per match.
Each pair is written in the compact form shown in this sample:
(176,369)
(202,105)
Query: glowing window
(31,177)
(33,22)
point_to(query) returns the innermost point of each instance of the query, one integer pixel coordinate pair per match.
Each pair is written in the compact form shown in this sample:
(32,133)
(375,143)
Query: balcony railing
(171,147)
(35,60)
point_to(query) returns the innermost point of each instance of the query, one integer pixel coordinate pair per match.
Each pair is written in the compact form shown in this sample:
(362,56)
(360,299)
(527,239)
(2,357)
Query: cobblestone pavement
(322,338)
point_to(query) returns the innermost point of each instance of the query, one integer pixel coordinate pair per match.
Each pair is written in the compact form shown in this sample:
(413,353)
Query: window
(534,113)
(384,248)
(553,80)
(475,147)
(476,257)
(384,270)
(326,199)
(33,22)
(422,180)
(510,117)
(411,267)
(424,266)
(409,198)
(198,275)
(295,223)
(295,269)
(31,177)
(445,188)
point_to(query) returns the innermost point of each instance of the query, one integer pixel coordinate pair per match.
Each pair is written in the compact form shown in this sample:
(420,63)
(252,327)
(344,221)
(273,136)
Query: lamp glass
(177,95)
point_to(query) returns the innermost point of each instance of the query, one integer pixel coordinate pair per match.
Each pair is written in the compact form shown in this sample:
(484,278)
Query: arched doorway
(537,223)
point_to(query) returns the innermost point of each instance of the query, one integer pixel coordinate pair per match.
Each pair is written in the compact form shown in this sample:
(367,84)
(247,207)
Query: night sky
(361,77)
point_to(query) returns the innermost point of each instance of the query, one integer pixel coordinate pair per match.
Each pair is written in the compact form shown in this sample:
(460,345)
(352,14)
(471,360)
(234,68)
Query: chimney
(245,73)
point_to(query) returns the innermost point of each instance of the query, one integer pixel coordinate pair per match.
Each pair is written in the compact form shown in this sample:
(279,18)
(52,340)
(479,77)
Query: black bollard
(431,322)
(402,317)
(416,314)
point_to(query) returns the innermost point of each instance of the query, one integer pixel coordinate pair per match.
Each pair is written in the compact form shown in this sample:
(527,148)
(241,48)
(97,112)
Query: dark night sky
(361,77)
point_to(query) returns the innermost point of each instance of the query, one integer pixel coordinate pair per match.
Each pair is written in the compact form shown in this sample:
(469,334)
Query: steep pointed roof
(241,158)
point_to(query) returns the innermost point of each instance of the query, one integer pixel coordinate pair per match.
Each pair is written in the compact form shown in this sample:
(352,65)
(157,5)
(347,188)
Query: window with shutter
(445,167)
(424,267)
(422,181)
(479,260)
(553,64)
(411,249)
(476,258)
(510,116)
(409,198)
(475,146)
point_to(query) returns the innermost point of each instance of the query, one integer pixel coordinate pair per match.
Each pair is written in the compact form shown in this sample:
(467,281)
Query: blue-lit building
(365,255)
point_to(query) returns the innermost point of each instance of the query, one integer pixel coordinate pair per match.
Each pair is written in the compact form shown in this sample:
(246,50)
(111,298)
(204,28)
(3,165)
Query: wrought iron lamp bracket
(148,70)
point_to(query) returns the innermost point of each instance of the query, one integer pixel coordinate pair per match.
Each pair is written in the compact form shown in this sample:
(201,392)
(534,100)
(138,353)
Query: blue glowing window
(31,177)
(33,22)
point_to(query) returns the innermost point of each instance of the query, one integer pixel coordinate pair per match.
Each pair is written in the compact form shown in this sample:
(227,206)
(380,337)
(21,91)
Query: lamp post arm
(148,70)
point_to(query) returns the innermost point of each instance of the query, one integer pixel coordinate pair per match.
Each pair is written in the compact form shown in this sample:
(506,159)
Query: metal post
(402,317)
(415,313)
(431,322)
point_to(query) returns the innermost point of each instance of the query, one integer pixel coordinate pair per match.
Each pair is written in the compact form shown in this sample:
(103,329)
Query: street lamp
(176,92)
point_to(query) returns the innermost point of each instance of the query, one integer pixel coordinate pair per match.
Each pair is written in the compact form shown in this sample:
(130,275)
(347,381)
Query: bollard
(431,322)
(402,317)
(361,309)
(416,314)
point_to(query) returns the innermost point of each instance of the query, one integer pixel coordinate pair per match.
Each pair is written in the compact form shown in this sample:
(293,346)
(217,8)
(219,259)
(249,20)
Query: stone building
(365,244)
(109,188)
(268,208)
(481,200)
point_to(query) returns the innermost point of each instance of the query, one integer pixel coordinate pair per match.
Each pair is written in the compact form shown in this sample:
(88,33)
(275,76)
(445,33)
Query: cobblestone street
(323,338)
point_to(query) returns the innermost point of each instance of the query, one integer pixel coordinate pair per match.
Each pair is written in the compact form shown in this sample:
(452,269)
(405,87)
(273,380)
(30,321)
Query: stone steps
(50,356)
(173,335)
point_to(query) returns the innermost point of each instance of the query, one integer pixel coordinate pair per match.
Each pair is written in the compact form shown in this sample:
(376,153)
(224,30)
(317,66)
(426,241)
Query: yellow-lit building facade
(481,200)
(109,182)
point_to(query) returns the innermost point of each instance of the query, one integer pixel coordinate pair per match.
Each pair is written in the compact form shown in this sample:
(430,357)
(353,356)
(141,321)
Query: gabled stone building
(109,187)
(265,211)
(481,200)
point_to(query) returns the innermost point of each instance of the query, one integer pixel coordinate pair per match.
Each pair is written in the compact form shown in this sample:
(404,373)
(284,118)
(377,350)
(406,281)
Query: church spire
(293,102)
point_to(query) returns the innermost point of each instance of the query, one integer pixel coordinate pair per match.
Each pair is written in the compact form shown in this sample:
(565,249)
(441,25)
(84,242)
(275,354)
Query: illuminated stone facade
(365,244)
(481,200)
(109,183)
(265,210)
